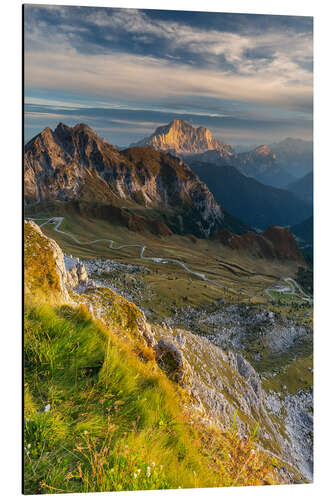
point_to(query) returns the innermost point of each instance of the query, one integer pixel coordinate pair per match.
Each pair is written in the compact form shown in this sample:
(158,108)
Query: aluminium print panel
(168,242)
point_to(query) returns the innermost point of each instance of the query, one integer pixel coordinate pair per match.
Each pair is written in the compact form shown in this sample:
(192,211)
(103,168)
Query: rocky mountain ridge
(198,144)
(74,163)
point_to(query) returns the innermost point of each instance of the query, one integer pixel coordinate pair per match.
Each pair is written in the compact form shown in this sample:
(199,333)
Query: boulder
(172,361)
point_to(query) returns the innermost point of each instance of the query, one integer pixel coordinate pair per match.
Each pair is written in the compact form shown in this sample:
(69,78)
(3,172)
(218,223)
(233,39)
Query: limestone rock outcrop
(44,262)
(76,273)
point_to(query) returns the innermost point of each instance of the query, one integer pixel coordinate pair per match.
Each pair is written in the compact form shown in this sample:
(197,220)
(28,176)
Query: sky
(124,72)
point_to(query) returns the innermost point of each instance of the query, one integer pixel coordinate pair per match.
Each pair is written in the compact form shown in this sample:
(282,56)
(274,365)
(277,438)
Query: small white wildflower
(153,464)
(135,475)
(138,471)
(148,471)
(29,445)
(47,408)
(85,432)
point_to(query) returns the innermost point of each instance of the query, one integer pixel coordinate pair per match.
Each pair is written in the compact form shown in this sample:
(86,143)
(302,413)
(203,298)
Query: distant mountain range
(149,190)
(269,165)
(74,163)
(303,188)
(295,155)
(256,204)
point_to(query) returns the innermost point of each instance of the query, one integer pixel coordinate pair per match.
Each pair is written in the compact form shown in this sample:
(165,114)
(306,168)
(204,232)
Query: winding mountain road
(158,260)
(290,290)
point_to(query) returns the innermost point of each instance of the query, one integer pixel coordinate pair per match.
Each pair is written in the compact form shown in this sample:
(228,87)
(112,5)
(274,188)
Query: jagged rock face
(76,164)
(222,381)
(65,164)
(275,242)
(170,183)
(219,381)
(180,137)
(76,274)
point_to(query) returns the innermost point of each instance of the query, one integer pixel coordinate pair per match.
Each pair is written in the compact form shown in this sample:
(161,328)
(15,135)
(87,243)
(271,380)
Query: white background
(10,262)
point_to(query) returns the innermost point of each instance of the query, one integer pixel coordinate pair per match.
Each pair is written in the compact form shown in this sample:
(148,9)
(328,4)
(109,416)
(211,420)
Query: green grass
(296,375)
(97,418)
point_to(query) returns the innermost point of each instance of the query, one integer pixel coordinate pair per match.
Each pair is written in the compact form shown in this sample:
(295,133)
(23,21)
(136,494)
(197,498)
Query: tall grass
(98,418)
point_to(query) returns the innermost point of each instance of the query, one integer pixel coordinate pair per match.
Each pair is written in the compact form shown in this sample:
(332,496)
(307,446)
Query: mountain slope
(275,242)
(118,404)
(257,205)
(74,163)
(304,230)
(304,235)
(295,155)
(198,144)
(303,188)
(262,165)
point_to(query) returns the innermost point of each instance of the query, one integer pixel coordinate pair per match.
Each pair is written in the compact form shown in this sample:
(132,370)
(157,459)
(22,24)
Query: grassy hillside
(100,413)
(100,417)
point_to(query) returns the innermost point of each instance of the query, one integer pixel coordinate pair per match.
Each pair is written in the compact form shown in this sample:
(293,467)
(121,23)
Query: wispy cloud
(169,62)
(139,77)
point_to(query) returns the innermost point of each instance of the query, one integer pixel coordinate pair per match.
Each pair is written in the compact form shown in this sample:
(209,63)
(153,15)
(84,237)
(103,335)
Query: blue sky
(125,72)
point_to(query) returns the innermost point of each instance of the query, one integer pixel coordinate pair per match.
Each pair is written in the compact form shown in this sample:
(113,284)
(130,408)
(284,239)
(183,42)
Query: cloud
(210,65)
(136,31)
(127,76)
